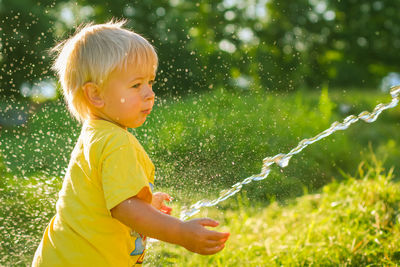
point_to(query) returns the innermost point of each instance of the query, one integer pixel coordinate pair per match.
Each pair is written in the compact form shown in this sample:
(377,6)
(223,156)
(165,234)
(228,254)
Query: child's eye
(136,85)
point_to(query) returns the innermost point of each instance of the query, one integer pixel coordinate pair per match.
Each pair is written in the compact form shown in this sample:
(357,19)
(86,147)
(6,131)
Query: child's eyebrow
(152,77)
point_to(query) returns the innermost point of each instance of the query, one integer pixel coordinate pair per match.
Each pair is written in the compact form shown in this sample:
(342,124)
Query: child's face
(128,96)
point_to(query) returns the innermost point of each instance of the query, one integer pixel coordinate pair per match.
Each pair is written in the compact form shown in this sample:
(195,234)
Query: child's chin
(135,125)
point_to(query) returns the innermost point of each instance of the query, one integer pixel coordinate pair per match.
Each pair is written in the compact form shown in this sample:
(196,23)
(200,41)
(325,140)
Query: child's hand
(201,240)
(158,202)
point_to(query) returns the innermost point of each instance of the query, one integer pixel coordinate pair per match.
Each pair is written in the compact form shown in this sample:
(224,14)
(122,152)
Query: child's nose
(149,93)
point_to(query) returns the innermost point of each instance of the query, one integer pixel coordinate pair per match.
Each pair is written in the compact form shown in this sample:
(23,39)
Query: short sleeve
(123,176)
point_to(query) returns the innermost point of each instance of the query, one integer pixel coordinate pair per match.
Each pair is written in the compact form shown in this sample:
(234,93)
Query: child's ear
(93,94)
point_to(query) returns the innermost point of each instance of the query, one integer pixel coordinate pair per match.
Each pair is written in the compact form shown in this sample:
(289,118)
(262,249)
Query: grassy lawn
(355,222)
(352,223)
(320,210)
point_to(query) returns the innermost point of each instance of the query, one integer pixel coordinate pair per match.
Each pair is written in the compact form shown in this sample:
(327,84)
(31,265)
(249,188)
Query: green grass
(204,143)
(26,206)
(352,223)
(355,222)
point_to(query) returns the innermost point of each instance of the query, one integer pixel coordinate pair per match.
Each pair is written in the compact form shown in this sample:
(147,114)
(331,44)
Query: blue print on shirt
(139,246)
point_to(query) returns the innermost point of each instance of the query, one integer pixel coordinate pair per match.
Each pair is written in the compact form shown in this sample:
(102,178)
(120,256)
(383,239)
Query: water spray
(282,160)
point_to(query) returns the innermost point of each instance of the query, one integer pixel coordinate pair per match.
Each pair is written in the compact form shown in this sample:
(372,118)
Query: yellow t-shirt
(107,166)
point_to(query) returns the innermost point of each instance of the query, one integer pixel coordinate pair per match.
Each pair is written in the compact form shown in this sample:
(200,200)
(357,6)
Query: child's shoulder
(106,134)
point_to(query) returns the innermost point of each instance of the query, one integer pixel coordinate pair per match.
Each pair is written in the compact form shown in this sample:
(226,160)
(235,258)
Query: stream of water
(282,160)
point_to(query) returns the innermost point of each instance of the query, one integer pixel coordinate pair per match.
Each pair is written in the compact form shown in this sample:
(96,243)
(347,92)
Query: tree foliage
(258,44)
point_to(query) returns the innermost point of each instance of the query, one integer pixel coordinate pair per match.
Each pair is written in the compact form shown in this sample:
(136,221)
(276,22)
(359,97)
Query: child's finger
(208,222)
(214,243)
(165,197)
(168,197)
(213,250)
(218,236)
(166,210)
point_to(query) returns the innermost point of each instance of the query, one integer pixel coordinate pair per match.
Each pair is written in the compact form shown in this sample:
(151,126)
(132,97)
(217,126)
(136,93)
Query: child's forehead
(143,70)
(139,70)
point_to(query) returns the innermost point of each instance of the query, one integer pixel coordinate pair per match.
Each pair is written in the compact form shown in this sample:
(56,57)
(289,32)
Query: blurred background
(237,80)
(267,73)
(273,45)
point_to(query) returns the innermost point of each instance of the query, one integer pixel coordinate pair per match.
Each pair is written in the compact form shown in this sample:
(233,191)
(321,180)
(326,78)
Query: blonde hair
(92,54)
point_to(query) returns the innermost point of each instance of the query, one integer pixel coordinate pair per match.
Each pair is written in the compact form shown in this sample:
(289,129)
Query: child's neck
(97,117)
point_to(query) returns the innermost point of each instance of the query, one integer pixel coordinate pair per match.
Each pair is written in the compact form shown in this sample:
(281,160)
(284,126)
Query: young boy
(106,208)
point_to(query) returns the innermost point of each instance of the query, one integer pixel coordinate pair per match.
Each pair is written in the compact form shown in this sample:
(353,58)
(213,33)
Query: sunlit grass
(353,223)
(26,206)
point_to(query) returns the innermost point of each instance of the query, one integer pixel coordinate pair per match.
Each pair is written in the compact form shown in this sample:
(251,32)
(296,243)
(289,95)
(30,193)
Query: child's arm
(145,219)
